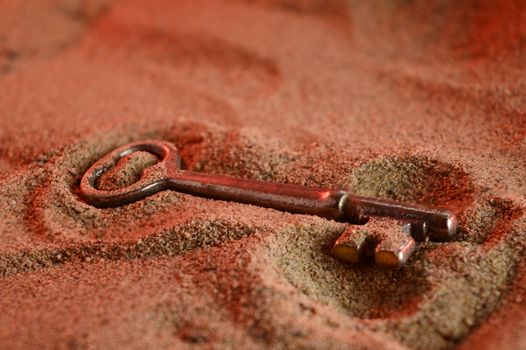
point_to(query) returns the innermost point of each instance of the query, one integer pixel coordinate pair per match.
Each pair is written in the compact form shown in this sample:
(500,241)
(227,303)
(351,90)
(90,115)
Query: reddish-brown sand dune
(422,101)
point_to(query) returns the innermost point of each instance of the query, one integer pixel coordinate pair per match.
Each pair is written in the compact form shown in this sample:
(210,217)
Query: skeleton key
(331,203)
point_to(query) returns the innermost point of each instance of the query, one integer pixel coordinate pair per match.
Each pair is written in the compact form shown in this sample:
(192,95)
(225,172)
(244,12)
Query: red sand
(421,101)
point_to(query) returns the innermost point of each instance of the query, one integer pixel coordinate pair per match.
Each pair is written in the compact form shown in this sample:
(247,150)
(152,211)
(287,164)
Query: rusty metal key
(332,203)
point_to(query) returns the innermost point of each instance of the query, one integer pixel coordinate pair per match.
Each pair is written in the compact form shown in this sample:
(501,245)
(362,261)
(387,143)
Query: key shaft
(331,203)
(322,202)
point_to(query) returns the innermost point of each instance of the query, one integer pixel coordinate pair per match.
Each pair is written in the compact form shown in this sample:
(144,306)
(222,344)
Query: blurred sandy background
(422,101)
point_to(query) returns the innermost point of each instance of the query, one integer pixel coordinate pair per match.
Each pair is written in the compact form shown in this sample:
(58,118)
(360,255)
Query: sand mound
(411,101)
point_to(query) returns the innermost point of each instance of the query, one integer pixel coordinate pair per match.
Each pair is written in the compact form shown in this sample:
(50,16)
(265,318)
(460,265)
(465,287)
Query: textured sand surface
(422,101)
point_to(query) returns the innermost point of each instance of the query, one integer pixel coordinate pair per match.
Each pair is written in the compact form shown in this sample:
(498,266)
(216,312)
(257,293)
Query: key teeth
(394,256)
(391,249)
(351,246)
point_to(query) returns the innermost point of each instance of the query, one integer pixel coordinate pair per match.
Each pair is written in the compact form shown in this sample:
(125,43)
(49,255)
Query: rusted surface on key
(332,203)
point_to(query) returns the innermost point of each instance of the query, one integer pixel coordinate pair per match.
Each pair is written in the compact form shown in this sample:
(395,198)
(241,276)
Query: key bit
(352,245)
(394,250)
(381,239)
